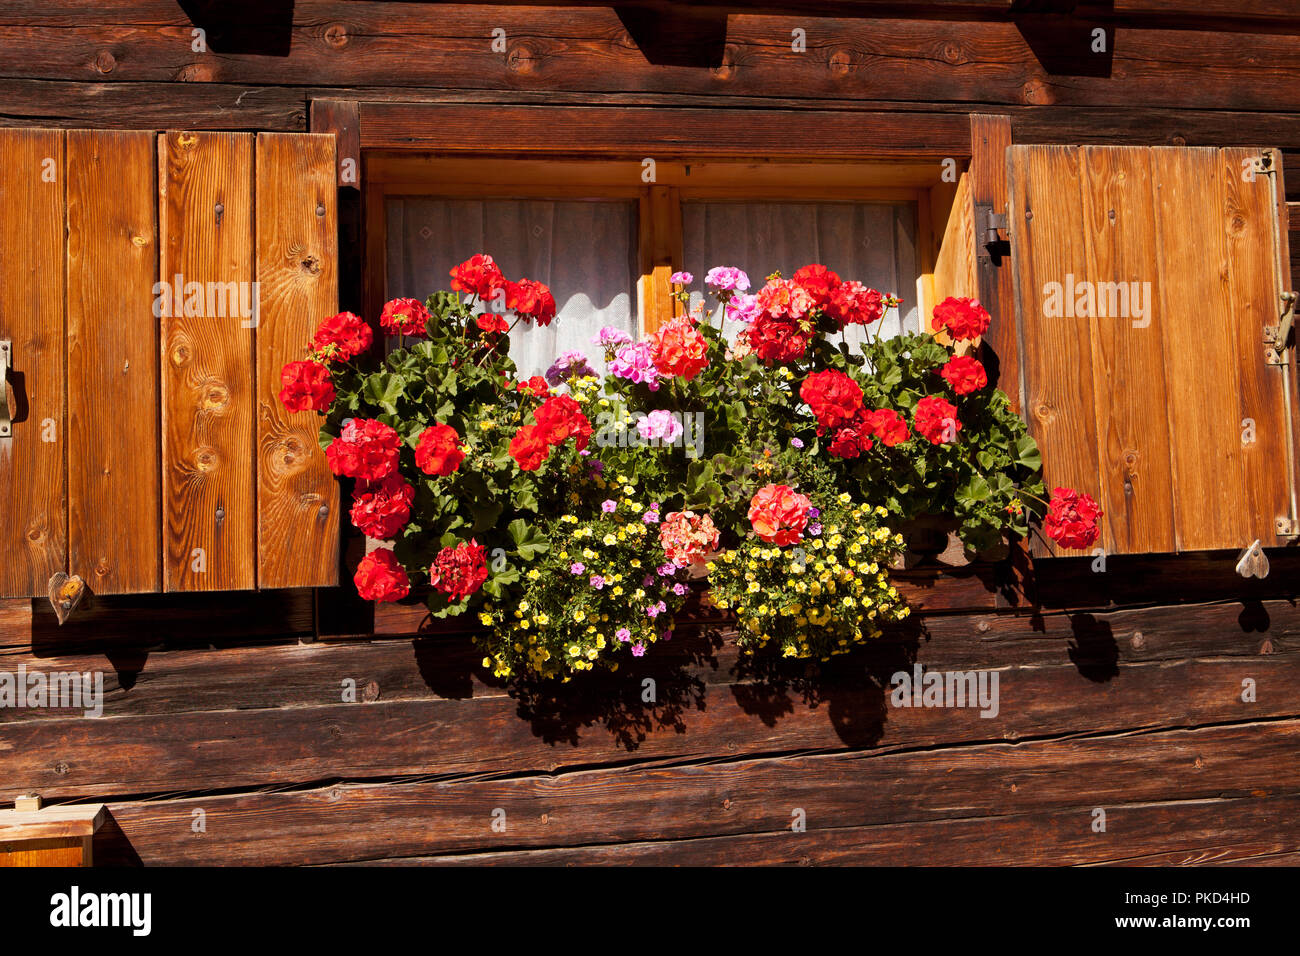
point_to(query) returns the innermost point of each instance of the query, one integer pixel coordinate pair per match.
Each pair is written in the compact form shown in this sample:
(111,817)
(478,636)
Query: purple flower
(648,580)
(679,589)
(577,567)
(681,278)
(608,505)
(667,635)
(654,610)
(659,425)
(667,570)
(636,363)
(742,308)
(638,650)
(597,467)
(814,512)
(727,279)
(610,338)
(650,517)
(796,443)
(623,634)
(814,529)
(571,364)
(596,581)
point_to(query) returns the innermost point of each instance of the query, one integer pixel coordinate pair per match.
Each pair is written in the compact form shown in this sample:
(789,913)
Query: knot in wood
(195,73)
(206,458)
(520,58)
(371,691)
(216,395)
(952,53)
(840,63)
(336,36)
(105,62)
(180,354)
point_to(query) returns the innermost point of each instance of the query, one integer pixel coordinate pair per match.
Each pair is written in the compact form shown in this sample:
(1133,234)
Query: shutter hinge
(6,359)
(987,225)
(1277,336)
(1263,165)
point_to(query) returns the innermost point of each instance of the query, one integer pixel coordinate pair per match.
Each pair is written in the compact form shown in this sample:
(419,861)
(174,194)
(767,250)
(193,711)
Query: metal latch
(6,360)
(987,224)
(1263,165)
(1277,336)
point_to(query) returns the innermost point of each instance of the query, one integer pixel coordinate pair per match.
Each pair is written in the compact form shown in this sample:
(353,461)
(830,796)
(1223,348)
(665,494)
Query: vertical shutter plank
(113,465)
(207,363)
(297,501)
(1128,362)
(1201,357)
(33,529)
(1250,226)
(1047,239)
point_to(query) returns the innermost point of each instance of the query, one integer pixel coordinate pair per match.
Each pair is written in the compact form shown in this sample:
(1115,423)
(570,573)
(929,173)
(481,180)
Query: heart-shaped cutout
(66,593)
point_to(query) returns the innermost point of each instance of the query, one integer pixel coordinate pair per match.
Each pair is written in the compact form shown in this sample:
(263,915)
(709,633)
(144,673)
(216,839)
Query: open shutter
(152,285)
(1146,280)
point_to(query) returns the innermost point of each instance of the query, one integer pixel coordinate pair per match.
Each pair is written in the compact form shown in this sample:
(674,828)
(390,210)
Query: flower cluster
(816,599)
(1073,519)
(557,420)
(605,592)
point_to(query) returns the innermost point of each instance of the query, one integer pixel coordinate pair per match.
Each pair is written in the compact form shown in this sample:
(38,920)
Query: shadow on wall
(252,27)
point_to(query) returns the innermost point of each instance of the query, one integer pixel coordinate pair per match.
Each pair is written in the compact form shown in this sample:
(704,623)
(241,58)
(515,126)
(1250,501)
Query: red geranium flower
(779,514)
(1073,520)
(964,374)
(366,449)
(382,508)
(888,426)
(439,450)
(531,300)
(679,349)
(785,299)
(964,318)
(777,340)
(850,441)
(936,419)
(404,317)
(535,386)
(342,336)
(560,418)
(478,275)
(835,399)
(459,571)
(307,386)
(818,281)
(852,303)
(492,323)
(380,578)
(529,448)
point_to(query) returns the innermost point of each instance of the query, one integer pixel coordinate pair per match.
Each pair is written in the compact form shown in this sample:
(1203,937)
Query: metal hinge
(6,360)
(1277,336)
(987,224)
(1263,165)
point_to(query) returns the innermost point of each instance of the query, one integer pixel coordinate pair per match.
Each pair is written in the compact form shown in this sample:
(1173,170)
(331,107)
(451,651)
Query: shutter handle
(6,359)
(1277,336)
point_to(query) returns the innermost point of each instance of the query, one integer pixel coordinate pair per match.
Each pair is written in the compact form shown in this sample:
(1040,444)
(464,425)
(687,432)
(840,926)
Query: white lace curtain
(586,253)
(872,243)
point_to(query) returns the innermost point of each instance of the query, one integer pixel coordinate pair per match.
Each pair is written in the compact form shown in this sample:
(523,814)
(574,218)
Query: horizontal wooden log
(1236,781)
(339,43)
(606,722)
(49,103)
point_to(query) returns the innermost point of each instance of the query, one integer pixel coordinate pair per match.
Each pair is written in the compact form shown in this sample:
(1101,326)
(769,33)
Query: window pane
(873,243)
(585,252)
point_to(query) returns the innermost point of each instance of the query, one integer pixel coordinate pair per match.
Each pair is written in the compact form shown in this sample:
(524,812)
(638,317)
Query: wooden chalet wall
(1120,690)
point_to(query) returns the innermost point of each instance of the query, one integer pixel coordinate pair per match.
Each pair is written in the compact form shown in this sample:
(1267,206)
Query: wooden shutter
(153,285)
(1153,413)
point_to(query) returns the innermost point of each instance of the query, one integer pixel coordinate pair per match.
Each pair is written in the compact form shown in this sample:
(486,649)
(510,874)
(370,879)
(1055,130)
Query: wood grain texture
(954,268)
(994,282)
(1045,221)
(1119,231)
(33,526)
(114,517)
(297,275)
(1250,223)
(1202,364)
(208,457)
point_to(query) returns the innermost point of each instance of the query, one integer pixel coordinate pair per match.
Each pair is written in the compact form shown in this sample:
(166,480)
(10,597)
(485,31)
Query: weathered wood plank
(1203,382)
(1129,388)
(994,285)
(1048,254)
(1250,227)
(297,276)
(33,467)
(150,106)
(114,517)
(205,186)
(1043,791)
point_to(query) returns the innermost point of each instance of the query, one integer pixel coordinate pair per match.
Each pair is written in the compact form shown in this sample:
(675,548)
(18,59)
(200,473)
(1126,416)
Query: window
(606,241)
